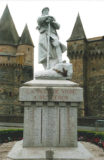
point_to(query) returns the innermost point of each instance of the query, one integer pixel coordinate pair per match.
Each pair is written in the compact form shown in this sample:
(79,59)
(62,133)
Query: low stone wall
(88,121)
(85,121)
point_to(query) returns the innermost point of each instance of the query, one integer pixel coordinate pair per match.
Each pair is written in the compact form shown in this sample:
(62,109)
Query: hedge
(92,136)
(88,136)
(11,135)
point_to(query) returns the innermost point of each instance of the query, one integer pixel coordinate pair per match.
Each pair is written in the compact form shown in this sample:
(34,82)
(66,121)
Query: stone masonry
(16,64)
(50,122)
(87,57)
(50,117)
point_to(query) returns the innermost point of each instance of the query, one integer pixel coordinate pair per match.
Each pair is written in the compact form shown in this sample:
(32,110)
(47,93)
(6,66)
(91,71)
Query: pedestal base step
(43,153)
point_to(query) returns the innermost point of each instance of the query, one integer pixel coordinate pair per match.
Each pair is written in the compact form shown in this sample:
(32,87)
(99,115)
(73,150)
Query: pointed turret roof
(25,37)
(8,32)
(78,31)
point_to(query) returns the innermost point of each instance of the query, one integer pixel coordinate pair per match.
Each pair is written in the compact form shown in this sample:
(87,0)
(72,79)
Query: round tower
(76,51)
(26,47)
(16,66)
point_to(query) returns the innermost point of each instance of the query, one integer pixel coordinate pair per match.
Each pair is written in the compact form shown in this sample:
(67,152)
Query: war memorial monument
(50,104)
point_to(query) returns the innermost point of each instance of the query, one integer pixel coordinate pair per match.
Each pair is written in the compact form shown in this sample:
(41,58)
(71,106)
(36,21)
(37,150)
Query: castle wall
(88,71)
(16,64)
(11,78)
(28,54)
(15,69)
(95,81)
(12,60)
(8,48)
(7,84)
(77,70)
(75,53)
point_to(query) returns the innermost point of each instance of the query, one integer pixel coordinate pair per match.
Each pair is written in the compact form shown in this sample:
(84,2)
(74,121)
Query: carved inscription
(51,94)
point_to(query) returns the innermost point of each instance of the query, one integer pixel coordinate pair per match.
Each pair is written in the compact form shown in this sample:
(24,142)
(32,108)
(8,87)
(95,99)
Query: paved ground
(4,149)
(95,150)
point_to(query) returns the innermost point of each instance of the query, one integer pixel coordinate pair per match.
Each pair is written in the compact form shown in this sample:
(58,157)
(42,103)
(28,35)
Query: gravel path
(4,149)
(95,150)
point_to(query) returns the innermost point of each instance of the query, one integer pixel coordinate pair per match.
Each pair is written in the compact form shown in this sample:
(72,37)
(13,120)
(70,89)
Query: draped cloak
(43,39)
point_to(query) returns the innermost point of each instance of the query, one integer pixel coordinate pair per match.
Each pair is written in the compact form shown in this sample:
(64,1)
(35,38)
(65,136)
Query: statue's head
(45,11)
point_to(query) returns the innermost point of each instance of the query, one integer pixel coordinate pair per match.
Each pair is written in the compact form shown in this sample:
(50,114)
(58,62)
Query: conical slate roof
(25,37)
(8,33)
(78,31)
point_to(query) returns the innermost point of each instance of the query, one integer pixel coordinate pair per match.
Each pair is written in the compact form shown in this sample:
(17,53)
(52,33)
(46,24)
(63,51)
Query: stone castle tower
(87,57)
(16,64)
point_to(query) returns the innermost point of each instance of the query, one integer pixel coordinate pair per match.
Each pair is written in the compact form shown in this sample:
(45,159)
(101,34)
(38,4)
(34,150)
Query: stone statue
(50,48)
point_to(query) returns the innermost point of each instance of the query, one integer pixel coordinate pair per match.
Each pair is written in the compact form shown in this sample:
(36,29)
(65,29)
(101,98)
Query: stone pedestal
(50,121)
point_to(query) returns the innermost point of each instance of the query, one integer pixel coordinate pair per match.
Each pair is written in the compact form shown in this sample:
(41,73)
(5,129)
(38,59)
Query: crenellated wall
(8,49)
(16,68)
(16,64)
(11,60)
(88,70)
(76,52)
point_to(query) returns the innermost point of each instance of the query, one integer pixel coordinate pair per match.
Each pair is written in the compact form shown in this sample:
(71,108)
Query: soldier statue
(50,48)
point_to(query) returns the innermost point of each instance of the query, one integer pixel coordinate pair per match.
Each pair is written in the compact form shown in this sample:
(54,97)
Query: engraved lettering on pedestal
(52,94)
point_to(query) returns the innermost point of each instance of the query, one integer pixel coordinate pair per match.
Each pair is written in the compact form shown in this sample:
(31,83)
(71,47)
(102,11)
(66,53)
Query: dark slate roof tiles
(8,32)
(25,37)
(78,31)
